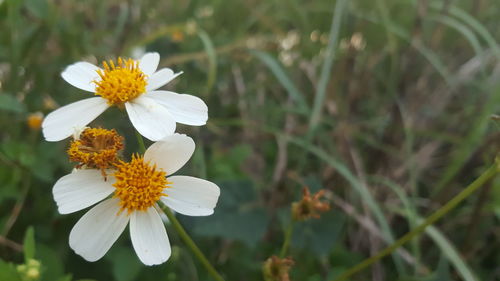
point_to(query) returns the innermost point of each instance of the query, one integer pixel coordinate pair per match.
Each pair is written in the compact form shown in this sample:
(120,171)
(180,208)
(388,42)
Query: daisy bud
(29,271)
(33,274)
(276,269)
(309,206)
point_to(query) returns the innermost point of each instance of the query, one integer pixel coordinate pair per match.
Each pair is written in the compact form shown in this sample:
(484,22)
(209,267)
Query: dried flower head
(96,148)
(276,269)
(309,206)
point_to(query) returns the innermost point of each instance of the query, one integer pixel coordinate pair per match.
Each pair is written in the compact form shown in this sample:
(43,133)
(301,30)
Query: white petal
(81,75)
(185,109)
(149,237)
(151,120)
(171,153)
(81,189)
(62,122)
(191,196)
(149,62)
(160,78)
(98,229)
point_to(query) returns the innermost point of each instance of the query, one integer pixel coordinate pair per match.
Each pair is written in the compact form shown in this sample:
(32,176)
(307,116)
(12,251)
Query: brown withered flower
(309,206)
(276,269)
(96,148)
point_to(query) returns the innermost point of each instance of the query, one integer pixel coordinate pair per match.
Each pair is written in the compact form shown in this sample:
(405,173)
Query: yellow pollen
(120,82)
(96,148)
(138,184)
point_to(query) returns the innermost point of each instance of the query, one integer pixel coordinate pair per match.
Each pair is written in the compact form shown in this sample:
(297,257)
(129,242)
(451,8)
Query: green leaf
(226,165)
(125,266)
(38,8)
(52,265)
(8,272)
(236,216)
(318,235)
(68,277)
(29,244)
(9,103)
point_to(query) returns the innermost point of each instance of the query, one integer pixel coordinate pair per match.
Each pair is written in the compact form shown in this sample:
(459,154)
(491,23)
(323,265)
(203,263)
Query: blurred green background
(386,104)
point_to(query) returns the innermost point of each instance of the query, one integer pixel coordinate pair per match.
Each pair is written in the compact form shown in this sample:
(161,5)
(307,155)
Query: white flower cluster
(130,190)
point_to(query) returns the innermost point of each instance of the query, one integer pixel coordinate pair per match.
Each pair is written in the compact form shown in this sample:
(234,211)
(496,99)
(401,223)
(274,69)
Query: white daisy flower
(130,84)
(136,187)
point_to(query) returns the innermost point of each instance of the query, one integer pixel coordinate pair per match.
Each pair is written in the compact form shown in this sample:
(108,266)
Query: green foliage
(29,244)
(9,103)
(236,211)
(8,272)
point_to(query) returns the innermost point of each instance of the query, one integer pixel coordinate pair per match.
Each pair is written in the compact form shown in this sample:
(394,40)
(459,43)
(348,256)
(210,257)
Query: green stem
(178,227)
(140,141)
(487,175)
(190,243)
(286,242)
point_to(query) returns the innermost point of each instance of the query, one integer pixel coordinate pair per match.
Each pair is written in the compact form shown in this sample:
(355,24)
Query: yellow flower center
(96,148)
(120,82)
(138,184)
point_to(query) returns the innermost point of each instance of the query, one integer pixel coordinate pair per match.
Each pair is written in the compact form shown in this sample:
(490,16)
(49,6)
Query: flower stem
(178,227)
(140,141)
(487,175)
(286,242)
(190,243)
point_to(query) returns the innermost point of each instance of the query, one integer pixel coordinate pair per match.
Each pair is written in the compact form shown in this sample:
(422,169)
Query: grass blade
(212,60)
(326,70)
(282,77)
(360,188)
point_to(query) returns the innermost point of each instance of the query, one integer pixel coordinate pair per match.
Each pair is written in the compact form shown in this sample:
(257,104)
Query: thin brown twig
(11,244)
(17,207)
(202,55)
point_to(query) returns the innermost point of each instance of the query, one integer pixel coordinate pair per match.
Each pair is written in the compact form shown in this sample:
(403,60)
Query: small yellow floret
(34,120)
(138,184)
(120,82)
(96,148)
(177,36)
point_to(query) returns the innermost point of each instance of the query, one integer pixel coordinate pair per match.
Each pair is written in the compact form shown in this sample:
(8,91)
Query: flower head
(96,148)
(128,84)
(139,185)
(309,206)
(120,83)
(276,269)
(136,187)
(34,120)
